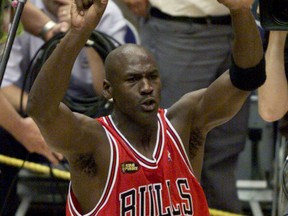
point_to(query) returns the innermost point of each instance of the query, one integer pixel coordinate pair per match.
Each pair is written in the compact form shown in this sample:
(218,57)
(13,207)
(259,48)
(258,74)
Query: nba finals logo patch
(129,167)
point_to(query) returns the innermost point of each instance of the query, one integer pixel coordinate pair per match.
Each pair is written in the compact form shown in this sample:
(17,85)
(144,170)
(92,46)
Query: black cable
(35,65)
(64,164)
(93,106)
(13,183)
(56,181)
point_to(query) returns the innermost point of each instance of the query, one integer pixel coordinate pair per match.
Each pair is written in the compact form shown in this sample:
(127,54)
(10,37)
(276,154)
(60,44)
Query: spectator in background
(34,21)
(19,134)
(39,24)
(191,42)
(273,98)
(273,95)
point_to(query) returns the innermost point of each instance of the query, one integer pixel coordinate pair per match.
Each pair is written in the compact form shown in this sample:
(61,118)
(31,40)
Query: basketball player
(136,160)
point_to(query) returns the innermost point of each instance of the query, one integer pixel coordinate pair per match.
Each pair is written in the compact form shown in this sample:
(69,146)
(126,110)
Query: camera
(274,14)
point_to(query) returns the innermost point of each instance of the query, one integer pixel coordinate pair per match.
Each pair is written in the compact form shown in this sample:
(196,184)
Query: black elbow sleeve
(248,79)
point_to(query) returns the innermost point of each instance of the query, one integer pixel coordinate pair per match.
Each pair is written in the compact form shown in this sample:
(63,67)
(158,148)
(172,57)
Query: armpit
(86,163)
(196,141)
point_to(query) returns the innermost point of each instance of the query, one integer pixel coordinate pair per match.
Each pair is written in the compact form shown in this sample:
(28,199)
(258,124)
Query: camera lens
(280,11)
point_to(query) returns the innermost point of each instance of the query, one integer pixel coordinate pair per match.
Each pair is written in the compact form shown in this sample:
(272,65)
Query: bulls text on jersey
(151,195)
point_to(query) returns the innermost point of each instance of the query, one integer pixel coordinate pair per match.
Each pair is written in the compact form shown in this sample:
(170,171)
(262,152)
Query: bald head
(131,76)
(124,56)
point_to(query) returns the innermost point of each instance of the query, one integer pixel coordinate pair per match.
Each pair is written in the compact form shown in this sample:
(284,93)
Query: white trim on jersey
(189,166)
(109,178)
(137,152)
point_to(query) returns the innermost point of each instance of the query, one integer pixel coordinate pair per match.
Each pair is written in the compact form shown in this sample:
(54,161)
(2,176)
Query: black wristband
(248,79)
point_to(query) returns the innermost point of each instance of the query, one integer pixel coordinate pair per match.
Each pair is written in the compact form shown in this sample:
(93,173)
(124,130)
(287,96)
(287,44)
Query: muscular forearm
(273,95)
(10,120)
(33,19)
(23,129)
(247,54)
(39,24)
(247,47)
(13,95)
(52,82)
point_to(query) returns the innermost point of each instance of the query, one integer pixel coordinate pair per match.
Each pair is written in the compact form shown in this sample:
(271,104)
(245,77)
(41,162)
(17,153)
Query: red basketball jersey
(136,185)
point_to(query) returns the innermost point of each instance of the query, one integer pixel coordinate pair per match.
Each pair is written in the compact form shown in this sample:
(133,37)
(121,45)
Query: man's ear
(107,89)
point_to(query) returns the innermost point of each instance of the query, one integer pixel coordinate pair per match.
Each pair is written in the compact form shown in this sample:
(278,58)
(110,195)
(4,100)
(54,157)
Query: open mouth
(148,105)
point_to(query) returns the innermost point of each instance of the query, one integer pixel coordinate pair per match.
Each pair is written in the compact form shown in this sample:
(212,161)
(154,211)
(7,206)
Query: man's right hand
(86,14)
(34,142)
(237,4)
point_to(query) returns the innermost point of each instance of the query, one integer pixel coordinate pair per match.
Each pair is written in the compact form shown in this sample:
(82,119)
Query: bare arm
(30,14)
(60,127)
(12,93)
(23,129)
(273,95)
(208,108)
(34,20)
(222,100)
(247,53)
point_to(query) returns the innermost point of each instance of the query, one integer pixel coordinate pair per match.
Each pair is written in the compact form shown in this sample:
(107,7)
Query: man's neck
(141,137)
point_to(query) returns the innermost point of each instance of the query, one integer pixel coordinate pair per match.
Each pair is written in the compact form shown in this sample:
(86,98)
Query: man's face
(137,87)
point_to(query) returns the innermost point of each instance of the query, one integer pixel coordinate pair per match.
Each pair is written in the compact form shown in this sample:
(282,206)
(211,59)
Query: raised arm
(246,72)
(273,95)
(59,126)
(207,108)
(225,96)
